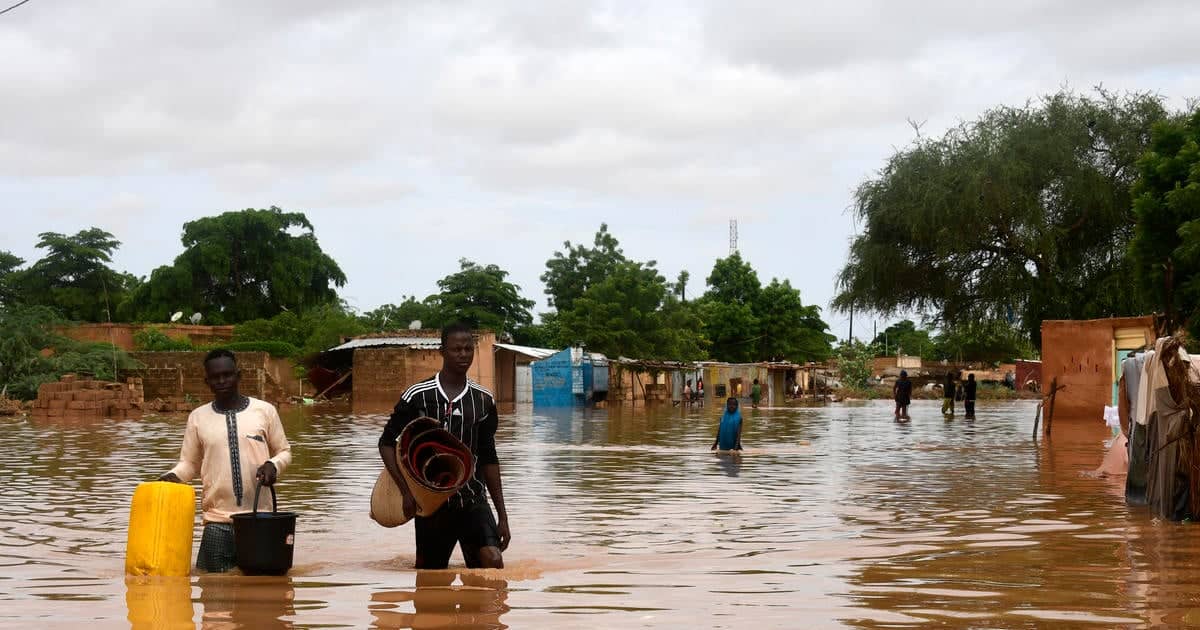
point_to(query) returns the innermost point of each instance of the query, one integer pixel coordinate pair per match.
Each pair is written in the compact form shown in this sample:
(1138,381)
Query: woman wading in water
(729,433)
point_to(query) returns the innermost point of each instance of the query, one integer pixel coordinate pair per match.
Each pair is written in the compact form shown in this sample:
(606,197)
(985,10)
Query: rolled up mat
(435,464)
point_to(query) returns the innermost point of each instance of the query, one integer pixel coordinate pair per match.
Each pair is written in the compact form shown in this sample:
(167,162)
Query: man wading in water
(468,411)
(232,443)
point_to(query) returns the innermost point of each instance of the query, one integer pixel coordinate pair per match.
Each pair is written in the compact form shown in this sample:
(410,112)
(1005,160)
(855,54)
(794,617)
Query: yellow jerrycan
(161,519)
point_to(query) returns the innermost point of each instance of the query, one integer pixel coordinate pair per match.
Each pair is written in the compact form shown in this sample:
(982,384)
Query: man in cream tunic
(232,443)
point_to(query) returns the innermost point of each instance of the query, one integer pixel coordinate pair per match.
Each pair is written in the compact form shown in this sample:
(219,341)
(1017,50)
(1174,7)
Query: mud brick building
(1085,356)
(382,366)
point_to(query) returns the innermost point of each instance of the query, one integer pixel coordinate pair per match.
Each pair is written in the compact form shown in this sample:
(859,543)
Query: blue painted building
(569,377)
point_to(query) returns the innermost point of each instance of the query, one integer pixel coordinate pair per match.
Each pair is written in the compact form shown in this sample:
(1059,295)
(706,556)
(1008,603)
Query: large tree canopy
(243,265)
(630,313)
(74,277)
(9,276)
(748,322)
(1019,216)
(570,274)
(1166,244)
(481,297)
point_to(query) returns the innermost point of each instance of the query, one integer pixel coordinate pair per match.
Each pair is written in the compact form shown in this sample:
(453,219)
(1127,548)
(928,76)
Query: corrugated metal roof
(537,353)
(421,343)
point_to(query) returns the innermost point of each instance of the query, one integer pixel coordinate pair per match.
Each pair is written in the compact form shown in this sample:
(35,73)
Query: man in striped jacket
(468,411)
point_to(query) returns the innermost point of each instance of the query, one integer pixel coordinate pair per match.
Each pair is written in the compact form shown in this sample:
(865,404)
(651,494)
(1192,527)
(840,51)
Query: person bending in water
(468,411)
(729,433)
(229,442)
(902,392)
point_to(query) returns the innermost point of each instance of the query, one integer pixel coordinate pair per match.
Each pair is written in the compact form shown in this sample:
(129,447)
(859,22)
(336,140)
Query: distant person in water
(969,395)
(948,389)
(902,392)
(700,391)
(755,394)
(729,433)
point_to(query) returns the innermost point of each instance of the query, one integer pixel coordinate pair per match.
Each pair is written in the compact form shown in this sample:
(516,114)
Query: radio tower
(733,237)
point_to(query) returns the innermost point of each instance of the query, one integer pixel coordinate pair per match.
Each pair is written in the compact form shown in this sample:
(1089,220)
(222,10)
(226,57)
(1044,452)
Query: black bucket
(264,541)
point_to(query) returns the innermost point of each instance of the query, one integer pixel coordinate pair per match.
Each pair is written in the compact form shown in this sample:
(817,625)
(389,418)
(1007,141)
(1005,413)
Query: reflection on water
(832,516)
(438,603)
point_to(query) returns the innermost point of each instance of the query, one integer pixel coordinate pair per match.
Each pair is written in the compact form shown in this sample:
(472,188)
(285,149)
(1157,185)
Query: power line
(13,7)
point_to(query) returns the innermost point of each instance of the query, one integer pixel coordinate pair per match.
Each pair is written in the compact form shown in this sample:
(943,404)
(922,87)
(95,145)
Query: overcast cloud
(417,133)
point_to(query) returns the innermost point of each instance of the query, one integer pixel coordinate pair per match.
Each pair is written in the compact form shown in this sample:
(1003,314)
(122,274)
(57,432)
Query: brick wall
(87,399)
(170,375)
(1080,354)
(382,374)
(121,335)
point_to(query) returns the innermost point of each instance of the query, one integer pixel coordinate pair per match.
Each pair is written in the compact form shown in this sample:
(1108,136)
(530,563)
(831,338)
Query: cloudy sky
(417,133)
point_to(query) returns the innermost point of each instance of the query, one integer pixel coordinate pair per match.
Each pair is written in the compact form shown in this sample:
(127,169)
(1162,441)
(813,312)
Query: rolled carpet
(434,463)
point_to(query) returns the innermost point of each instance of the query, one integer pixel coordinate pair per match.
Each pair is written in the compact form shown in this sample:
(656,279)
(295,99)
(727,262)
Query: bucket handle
(274,500)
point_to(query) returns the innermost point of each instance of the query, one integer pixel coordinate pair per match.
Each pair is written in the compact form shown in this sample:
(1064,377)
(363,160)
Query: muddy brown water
(834,517)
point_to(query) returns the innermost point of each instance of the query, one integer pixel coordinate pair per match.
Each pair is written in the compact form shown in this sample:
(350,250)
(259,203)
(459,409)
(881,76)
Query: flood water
(835,516)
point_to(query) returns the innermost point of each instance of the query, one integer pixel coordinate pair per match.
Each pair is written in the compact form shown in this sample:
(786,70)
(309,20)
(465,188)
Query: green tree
(728,308)
(988,341)
(74,276)
(905,337)
(681,285)
(243,265)
(733,281)
(789,329)
(1020,215)
(629,313)
(732,329)
(481,297)
(9,277)
(1166,243)
(545,333)
(853,360)
(571,273)
(747,322)
(313,331)
(398,317)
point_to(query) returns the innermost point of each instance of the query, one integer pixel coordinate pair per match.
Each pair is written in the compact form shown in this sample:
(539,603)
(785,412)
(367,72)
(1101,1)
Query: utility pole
(733,237)
(851,324)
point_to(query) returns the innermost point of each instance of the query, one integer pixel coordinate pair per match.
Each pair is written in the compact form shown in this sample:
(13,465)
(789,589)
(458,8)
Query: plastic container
(265,541)
(161,519)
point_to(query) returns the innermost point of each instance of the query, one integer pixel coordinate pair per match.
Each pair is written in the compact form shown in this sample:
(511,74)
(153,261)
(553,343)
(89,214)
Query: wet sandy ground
(834,517)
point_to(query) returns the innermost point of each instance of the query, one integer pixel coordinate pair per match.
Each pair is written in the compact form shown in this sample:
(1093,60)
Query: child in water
(729,433)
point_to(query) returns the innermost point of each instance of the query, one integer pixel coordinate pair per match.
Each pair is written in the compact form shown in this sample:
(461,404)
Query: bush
(26,331)
(853,361)
(155,340)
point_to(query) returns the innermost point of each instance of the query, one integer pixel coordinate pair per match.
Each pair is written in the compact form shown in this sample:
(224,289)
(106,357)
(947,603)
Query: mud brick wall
(1081,355)
(174,375)
(382,374)
(75,399)
(121,335)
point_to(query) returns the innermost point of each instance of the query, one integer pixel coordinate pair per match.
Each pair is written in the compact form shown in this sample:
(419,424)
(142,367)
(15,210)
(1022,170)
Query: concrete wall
(382,374)
(1081,354)
(121,335)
